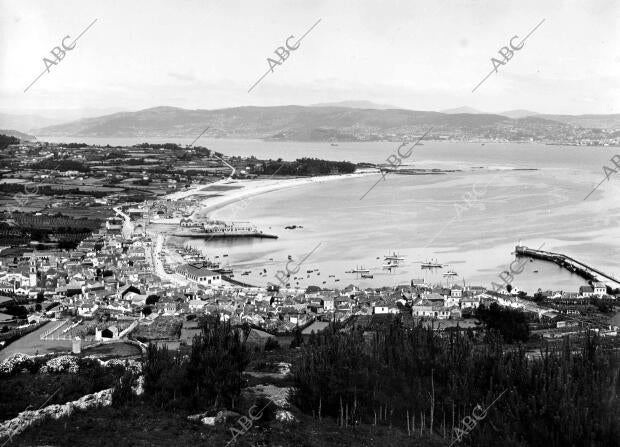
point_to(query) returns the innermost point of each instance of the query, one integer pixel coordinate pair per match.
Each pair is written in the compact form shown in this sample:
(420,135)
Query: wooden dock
(570,264)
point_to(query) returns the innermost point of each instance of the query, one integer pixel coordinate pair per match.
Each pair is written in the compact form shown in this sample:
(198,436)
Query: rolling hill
(299,123)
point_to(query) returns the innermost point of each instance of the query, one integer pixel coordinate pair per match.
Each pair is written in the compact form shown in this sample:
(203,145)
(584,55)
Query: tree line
(210,376)
(422,380)
(307,166)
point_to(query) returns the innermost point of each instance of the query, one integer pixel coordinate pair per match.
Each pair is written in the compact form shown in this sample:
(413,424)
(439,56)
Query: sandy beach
(228,192)
(240,190)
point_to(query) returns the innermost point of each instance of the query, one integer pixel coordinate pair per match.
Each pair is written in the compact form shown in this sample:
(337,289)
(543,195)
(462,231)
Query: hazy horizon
(418,56)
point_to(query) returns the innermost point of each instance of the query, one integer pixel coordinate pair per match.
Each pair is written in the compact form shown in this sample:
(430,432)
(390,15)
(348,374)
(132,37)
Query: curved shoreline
(251,188)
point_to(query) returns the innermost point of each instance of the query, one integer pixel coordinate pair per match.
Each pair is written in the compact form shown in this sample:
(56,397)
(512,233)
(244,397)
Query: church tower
(33,271)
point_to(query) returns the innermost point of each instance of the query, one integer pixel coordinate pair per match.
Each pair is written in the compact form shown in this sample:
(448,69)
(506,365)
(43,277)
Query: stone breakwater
(25,419)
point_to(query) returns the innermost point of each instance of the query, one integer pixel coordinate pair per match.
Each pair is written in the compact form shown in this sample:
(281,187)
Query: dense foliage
(510,323)
(558,398)
(307,166)
(6,140)
(211,376)
(48,190)
(60,165)
(28,387)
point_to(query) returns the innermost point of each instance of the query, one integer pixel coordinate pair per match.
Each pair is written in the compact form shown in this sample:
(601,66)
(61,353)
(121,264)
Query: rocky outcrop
(26,418)
(219,418)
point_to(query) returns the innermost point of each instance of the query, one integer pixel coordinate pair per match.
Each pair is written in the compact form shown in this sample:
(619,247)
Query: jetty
(572,265)
(234,282)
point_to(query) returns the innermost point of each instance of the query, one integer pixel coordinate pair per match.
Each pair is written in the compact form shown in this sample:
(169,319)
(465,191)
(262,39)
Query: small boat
(450,273)
(333,276)
(367,275)
(225,256)
(431,265)
(395,257)
(535,271)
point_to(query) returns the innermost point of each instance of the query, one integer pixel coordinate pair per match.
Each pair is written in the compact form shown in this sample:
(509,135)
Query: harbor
(572,265)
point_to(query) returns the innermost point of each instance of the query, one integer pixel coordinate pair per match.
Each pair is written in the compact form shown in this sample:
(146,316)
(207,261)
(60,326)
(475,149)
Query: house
(328,303)
(599,288)
(422,308)
(456,291)
(441,312)
(456,313)
(196,305)
(586,291)
(508,301)
(470,303)
(170,308)
(382,309)
(199,273)
(87,310)
(572,323)
(109,333)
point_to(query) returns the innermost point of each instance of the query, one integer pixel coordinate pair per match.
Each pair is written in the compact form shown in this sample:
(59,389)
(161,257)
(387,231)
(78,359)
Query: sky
(420,55)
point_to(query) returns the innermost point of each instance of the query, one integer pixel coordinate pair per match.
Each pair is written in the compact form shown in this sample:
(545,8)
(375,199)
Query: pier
(570,264)
(234,282)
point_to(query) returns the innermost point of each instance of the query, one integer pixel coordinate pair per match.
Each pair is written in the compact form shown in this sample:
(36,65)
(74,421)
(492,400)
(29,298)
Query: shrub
(272,344)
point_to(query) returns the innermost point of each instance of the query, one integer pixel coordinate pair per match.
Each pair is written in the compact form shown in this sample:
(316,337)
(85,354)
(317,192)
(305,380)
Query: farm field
(32,344)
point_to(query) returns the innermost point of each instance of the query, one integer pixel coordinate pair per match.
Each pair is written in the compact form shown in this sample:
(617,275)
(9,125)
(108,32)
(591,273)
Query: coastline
(241,190)
(244,189)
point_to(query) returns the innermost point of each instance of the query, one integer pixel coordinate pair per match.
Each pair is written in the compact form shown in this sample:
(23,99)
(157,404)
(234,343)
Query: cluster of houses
(111,275)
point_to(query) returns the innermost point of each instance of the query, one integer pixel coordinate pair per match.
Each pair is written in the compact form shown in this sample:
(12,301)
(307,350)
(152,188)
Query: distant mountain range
(25,122)
(329,123)
(463,109)
(356,105)
(520,113)
(29,120)
(16,134)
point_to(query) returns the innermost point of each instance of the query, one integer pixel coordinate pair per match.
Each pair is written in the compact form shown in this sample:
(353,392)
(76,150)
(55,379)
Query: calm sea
(470,220)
